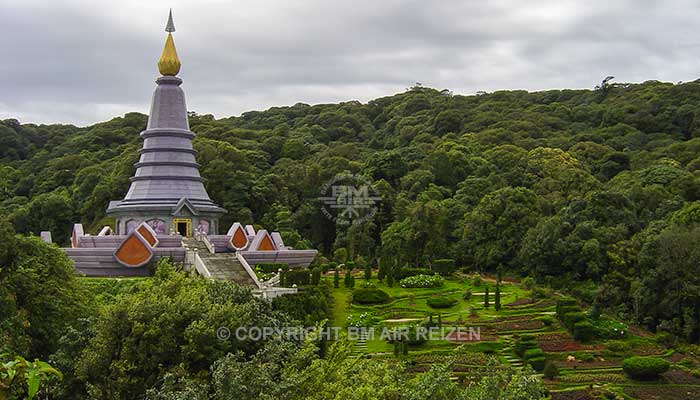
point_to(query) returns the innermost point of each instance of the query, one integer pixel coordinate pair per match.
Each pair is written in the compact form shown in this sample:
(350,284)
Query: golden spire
(169,64)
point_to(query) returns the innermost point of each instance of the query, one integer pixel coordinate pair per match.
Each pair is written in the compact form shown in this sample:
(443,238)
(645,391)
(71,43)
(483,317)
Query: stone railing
(248,269)
(200,266)
(202,237)
(271,293)
(274,281)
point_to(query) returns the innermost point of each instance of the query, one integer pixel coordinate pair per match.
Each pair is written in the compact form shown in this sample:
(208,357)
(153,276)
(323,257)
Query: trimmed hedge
(369,296)
(584,331)
(645,368)
(296,277)
(406,272)
(269,267)
(571,318)
(566,305)
(523,344)
(537,363)
(533,353)
(441,302)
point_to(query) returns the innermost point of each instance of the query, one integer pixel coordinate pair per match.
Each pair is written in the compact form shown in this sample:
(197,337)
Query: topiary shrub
(571,318)
(524,343)
(550,370)
(537,363)
(645,368)
(533,353)
(369,296)
(566,305)
(584,331)
(441,302)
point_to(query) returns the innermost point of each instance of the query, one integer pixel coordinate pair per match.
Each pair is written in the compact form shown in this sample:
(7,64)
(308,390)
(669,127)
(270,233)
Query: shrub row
(406,272)
(526,348)
(269,267)
(296,277)
(422,281)
(582,326)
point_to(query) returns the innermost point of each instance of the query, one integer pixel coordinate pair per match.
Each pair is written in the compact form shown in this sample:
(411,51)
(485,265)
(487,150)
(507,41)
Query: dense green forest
(592,193)
(593,190)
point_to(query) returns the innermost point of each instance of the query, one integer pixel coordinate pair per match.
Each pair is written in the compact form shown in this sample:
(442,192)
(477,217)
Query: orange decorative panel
(239,239)
(266,244)
(133,252)
(147,235)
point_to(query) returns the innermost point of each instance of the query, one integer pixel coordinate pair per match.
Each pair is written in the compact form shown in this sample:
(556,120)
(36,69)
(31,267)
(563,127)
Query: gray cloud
(82,62)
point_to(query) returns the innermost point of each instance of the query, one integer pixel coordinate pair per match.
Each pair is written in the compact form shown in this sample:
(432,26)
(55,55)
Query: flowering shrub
(611,329)
(422,281)
(262,274)
(365,319)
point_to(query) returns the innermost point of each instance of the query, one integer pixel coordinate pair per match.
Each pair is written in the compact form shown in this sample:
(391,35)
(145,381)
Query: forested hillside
(595,191)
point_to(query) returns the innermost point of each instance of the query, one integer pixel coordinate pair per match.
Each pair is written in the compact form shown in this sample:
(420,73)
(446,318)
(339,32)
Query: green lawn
(595,362)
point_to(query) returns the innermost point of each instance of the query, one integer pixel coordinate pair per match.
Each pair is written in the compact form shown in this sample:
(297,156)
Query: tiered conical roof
(167,172)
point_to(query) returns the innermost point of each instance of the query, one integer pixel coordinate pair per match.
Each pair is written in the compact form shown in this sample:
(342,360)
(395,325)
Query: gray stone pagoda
(167,191)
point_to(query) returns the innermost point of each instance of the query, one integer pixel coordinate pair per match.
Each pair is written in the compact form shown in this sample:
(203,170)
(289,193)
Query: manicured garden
(579,353)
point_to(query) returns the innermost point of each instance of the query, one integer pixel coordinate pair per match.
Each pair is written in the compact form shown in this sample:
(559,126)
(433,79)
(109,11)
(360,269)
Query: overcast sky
(82,62)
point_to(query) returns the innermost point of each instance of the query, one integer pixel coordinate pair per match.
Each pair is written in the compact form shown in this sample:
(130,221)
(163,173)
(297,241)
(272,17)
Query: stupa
(167,212)
(167,191)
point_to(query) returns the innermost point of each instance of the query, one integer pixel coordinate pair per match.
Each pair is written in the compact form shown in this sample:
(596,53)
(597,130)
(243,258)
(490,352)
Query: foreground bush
(40,295)
(422,281)
(308,306)
(645,368)
(441,302)
(169,324)
(369,296)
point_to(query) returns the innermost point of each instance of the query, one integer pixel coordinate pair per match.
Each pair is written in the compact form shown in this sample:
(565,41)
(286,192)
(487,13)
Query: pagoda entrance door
(183,226)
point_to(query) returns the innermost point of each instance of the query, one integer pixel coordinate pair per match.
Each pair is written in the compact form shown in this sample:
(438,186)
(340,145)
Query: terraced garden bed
(585,371)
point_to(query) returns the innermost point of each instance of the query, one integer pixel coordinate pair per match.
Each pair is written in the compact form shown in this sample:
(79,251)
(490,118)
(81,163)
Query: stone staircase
(220,265)
(361,343)
(508,352)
